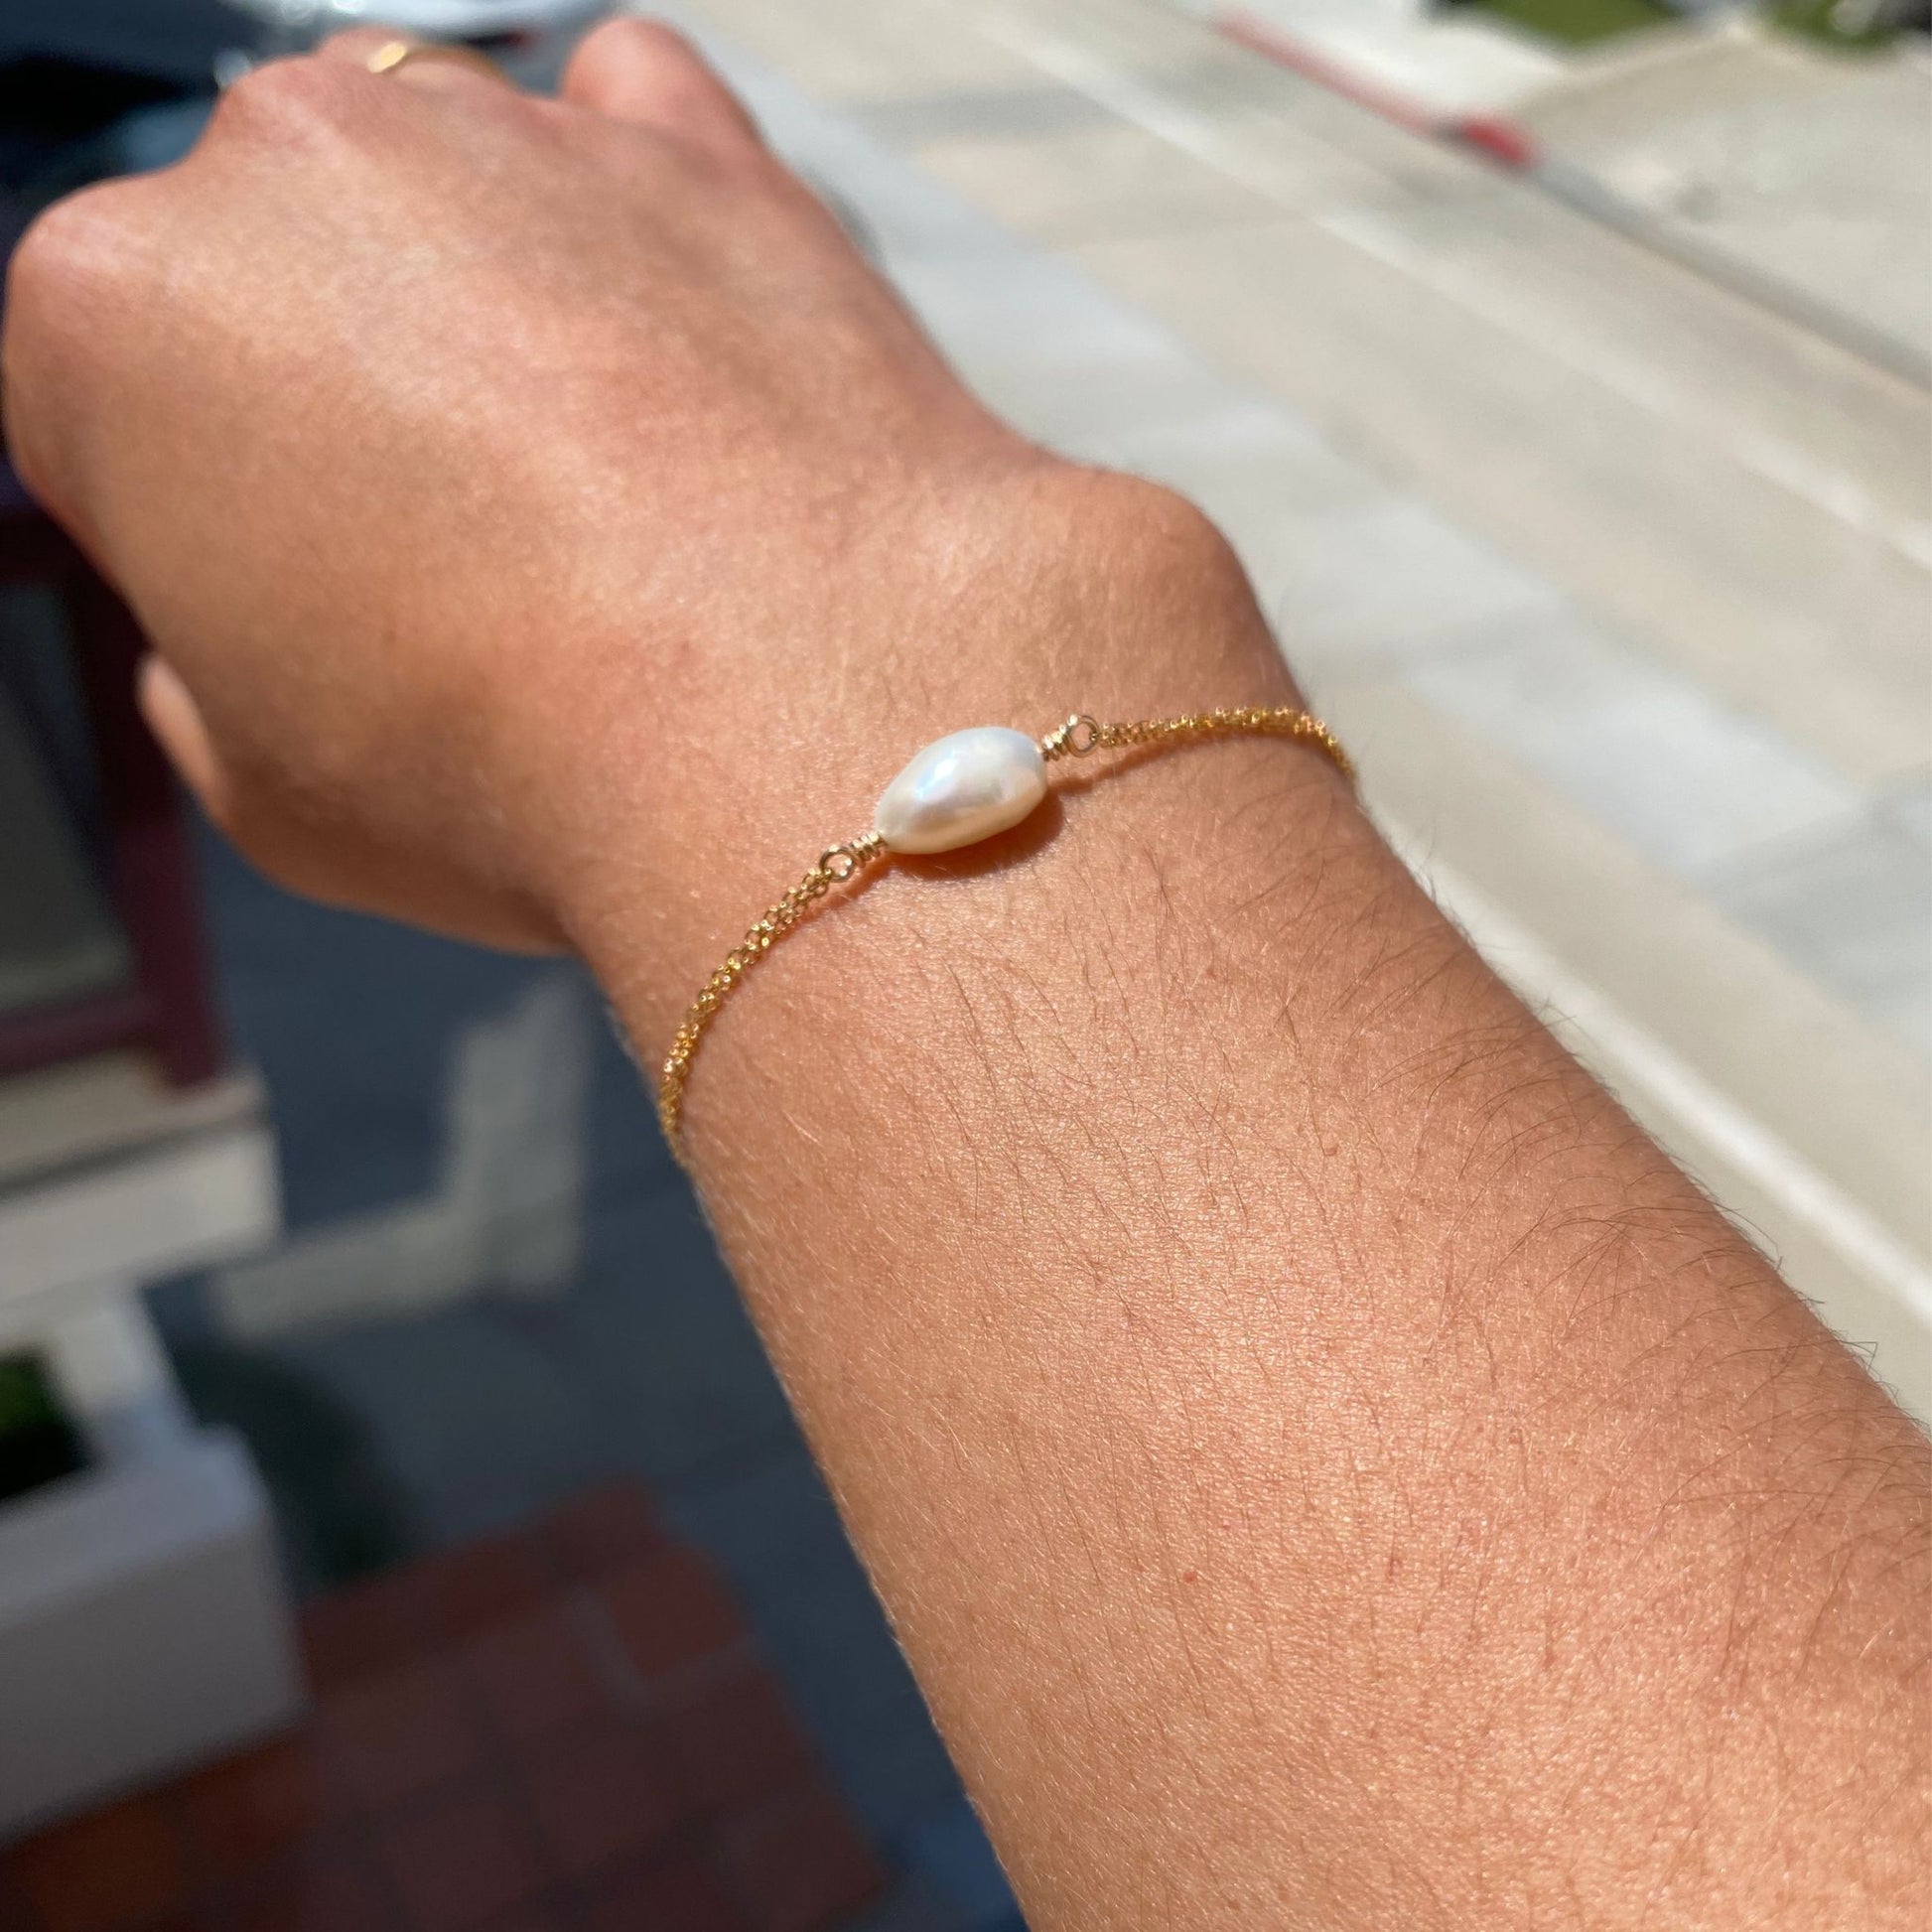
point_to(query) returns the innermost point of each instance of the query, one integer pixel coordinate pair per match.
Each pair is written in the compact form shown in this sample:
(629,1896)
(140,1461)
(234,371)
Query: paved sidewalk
(1800,170)
(1618,584)
(1813,168)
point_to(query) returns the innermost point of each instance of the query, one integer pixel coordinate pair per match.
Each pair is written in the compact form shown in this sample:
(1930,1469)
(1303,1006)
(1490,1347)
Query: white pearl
(962,788)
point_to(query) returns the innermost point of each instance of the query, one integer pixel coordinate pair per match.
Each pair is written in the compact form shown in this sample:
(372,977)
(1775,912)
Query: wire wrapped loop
(1076,739)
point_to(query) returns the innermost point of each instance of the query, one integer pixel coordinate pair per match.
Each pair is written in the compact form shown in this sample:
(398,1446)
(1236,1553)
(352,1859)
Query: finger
(176,720)
(642,72)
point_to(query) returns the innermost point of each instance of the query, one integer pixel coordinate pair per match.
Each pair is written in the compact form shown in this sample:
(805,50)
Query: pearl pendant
(962,788)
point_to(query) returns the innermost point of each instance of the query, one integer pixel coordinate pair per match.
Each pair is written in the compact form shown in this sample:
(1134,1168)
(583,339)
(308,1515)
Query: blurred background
(400,1529)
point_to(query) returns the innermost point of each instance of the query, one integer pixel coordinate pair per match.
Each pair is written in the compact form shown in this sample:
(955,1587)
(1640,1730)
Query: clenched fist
(532,502)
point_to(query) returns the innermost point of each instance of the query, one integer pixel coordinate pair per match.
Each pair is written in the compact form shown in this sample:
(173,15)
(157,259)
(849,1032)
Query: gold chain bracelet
(958,790)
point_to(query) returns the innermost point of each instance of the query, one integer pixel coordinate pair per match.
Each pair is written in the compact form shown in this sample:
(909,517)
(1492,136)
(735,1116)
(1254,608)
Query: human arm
(1325,1466)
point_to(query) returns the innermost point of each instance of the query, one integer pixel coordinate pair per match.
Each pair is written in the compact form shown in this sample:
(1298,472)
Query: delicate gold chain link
(836,864)
(1082,736)
(1079,736)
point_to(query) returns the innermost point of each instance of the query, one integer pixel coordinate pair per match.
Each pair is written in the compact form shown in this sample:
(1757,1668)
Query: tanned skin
(1327,1467)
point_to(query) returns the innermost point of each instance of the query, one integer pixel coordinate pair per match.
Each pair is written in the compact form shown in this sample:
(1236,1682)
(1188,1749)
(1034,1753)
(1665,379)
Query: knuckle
(68,248)
(635,35)
(65,285)
(631,47)
(284,100)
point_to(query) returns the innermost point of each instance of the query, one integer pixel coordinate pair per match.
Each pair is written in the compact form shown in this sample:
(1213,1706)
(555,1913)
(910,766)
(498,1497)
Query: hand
(507,483)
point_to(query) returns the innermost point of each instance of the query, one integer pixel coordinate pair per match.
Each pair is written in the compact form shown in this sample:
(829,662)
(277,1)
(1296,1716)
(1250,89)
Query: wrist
(689,779)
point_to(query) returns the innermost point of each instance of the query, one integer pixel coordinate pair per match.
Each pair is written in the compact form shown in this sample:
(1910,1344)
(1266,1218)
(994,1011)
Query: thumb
(176,720)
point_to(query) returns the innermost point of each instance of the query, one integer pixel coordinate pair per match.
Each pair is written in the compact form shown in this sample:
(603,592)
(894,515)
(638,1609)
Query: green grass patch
(1837,23)
(38,1444)
(1574,22)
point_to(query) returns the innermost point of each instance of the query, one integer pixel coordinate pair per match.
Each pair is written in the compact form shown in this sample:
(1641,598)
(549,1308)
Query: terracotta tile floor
(565,1728)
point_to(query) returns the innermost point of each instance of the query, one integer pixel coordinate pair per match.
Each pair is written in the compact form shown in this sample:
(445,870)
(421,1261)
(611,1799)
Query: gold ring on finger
(392,56)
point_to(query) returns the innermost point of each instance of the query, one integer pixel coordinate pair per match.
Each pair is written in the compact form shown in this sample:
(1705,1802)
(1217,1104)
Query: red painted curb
(1261,37)
(1501,140)
(1507,144)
